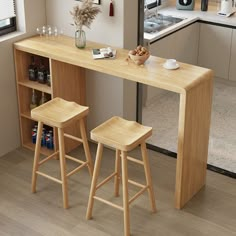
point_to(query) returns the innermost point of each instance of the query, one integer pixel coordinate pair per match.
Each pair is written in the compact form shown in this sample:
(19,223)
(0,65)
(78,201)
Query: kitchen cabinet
(67,81)
(215,49)
(181,45)
(186,44)
(232,67)
(163,47)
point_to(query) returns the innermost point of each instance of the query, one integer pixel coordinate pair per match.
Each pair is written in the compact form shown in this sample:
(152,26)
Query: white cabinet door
(163,47)
(186,41)
(232,68)
(214,49)
(181,45)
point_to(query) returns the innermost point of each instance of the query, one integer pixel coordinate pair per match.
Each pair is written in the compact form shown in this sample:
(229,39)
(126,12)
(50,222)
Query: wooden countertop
(151,73)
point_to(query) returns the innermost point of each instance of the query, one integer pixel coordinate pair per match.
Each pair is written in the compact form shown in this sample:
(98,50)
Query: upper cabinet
(232,67)
(214,49)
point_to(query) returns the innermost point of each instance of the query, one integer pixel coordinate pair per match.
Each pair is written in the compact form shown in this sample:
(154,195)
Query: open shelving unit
(67,81)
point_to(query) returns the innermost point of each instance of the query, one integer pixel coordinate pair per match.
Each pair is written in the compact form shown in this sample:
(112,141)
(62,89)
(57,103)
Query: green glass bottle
(33,103)
(33,70)
(43,99)
(42,73)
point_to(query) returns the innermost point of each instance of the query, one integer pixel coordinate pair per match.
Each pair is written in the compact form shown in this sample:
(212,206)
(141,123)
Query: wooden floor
(211,212)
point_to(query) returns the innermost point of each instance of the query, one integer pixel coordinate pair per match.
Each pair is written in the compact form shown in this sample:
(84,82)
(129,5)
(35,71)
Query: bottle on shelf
(34,133)
(43,138)
(33,70)
(33,103)
(42,73)
(43,99)
(48,79)
(49,140)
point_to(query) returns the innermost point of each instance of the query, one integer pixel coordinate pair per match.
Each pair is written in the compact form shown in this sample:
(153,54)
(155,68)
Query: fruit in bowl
(139,55)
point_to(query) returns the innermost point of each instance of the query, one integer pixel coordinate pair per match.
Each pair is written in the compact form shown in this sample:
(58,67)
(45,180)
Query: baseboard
(209,167)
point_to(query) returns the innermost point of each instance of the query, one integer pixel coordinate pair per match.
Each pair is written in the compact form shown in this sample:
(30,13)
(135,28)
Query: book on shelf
(102,53)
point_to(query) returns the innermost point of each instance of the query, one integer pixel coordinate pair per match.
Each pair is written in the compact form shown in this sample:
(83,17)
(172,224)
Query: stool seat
(59,112)
(121,134)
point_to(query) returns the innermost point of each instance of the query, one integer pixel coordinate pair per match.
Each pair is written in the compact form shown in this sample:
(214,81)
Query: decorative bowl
(139,60)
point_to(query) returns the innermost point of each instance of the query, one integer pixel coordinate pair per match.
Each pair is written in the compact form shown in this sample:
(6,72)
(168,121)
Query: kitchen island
(194,84)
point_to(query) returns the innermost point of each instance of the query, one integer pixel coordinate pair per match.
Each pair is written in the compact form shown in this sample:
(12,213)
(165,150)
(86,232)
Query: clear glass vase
(80,38)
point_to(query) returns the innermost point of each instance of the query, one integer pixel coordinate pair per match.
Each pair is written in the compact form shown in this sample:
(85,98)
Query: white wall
(9,125)
(104,29)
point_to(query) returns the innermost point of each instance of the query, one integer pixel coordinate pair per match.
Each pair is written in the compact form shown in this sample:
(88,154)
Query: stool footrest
(49,177)
(109,203)
(48,158)
(77,169)
(136,183)
(74,159)
(135,160)
(74,138)
(106,180)
(138,194)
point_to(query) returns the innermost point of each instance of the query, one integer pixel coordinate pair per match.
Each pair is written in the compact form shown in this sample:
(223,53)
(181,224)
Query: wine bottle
(33,70)
(48,79)
(43,99)
(42,73)
(33,103)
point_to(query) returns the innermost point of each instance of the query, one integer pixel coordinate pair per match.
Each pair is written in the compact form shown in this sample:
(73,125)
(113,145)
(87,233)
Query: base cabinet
(66,81)
(181,45)
(215,49)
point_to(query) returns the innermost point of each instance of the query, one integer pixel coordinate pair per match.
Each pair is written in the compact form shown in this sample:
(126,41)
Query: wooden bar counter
(194,84)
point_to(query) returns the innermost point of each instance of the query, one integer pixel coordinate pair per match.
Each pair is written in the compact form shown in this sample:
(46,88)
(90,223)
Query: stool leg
(125,193)
(117,171)
(94,180)
(36,157)
(63,167)
(86,147)
(148,176)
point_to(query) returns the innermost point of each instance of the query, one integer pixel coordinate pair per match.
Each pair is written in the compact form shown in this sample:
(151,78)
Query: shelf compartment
(26,134)
(25,96)
(22,62)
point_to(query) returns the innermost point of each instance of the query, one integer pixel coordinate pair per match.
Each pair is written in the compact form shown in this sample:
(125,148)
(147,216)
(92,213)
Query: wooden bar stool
(60,114)
(124,136)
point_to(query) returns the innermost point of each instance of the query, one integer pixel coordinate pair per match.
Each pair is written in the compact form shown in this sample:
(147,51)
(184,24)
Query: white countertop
(191,16)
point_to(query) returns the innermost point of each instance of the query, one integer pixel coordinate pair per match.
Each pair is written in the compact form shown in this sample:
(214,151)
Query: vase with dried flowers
(83,15)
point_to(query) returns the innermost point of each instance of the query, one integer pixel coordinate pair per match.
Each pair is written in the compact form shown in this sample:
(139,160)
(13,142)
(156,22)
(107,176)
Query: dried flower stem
(84,14)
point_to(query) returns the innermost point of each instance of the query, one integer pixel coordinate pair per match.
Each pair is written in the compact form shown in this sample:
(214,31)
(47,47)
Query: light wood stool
(59,113)
(124,136)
